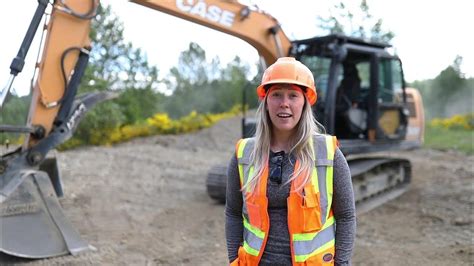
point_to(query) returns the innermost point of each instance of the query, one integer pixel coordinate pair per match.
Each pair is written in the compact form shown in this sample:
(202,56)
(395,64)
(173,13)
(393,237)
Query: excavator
(362,99)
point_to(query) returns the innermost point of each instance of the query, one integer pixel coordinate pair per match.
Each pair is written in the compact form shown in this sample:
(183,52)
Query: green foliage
(159,123)
(449,139)
(138,104)
(14,112)
(206,88)
(116,65)
(114,61)
(447,94)
(345,19)
(104,117)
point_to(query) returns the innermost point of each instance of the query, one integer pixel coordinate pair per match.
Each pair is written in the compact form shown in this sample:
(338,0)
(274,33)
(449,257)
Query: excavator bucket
(32,222)
(31,219)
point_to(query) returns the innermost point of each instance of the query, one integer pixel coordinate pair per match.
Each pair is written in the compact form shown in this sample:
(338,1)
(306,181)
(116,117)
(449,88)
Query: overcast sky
(428,34)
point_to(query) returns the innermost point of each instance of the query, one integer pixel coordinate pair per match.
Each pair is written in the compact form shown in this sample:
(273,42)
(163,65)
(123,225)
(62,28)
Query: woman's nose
(284,101)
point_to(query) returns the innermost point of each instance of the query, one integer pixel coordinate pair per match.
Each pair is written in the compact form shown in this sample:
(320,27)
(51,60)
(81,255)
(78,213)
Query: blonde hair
(306,128)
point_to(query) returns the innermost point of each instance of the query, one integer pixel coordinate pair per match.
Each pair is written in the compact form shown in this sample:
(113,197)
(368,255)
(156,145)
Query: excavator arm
(257,28)
(64,59)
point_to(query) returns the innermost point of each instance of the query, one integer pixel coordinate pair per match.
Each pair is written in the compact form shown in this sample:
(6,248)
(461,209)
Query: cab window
(390,81)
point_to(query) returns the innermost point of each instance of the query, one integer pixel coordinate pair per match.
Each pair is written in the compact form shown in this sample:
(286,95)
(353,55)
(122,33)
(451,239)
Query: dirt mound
(145,203)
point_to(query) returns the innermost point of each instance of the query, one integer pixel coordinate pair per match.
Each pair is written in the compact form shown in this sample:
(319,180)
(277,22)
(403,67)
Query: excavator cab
(361,91)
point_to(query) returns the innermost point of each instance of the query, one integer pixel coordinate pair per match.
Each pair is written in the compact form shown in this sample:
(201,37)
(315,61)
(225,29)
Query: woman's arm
(233,211)
(344,210)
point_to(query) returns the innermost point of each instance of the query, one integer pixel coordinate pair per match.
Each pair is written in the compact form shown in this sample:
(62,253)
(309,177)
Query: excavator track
(378,180)
(216,183)
(375,180)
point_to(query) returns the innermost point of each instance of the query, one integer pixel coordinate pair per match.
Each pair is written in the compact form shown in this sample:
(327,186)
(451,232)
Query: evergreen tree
(448,93)
(117,65)
(356,23)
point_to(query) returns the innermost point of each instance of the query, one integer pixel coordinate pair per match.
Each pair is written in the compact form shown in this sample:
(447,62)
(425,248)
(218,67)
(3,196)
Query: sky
(428,34)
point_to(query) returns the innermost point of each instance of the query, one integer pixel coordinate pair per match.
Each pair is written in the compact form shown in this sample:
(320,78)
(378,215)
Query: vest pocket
(311,210)
(311,219)
(311,199)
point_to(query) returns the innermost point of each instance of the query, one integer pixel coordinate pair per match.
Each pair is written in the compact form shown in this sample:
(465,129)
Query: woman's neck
(280,141)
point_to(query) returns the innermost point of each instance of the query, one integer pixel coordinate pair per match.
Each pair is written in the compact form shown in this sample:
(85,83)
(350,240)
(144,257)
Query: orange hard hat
(291,71)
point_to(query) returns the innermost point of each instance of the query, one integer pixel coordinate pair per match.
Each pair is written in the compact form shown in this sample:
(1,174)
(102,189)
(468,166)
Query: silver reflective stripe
(245,162)
(252,240)
(309,246)
(321,155)
(324,162)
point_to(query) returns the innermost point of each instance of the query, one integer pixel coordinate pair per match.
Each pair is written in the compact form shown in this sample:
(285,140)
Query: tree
(204,87)
(355,22)
(114,63)
(117,65)
(14,112)
(448,93)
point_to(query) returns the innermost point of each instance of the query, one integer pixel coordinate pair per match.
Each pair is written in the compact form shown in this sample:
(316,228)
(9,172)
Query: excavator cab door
(391,111)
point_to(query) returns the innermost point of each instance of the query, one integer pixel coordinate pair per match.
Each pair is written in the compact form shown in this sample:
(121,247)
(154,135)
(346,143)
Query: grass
(449,139)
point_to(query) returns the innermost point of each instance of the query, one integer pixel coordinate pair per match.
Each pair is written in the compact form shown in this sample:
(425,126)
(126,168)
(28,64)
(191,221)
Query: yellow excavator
(362,100)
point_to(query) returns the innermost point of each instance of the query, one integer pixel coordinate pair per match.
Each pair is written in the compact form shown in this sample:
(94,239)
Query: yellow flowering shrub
(158,124)
(161,123)
(465,122)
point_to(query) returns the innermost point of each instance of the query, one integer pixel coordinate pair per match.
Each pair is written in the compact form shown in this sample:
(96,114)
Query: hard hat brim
(310,92)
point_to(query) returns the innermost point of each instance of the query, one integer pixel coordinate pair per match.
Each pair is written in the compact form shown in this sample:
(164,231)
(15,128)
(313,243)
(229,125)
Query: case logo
(209,12)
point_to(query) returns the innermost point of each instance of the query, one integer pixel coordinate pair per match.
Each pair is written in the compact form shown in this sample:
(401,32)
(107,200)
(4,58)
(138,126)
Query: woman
(289,187)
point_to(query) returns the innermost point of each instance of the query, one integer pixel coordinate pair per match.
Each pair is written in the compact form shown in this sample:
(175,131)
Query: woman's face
(285,104)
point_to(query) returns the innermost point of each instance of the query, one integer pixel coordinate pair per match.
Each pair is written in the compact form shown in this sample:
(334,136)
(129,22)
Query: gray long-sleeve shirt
(277,250)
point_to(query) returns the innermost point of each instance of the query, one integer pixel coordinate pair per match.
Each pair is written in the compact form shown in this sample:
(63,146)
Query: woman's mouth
(284,115)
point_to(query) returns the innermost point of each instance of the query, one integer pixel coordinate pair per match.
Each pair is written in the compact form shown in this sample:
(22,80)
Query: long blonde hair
(307,127)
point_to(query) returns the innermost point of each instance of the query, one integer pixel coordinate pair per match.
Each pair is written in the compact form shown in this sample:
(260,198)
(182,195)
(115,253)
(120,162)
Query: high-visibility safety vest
(311,222)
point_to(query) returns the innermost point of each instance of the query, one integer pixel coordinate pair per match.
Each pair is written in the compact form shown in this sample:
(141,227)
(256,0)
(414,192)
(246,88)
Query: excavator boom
(257,28)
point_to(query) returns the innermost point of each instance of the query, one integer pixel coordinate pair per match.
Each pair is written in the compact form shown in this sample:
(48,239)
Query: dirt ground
(145,203)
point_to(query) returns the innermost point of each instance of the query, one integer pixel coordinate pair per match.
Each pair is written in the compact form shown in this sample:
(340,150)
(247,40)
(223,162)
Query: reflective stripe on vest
(253,236)
(304,244)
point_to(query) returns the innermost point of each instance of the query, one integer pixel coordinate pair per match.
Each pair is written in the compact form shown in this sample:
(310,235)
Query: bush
(456,122)
(158,124)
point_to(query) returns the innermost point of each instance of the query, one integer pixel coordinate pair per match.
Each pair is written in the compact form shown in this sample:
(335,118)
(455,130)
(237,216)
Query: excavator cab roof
(340,38)
(326,46)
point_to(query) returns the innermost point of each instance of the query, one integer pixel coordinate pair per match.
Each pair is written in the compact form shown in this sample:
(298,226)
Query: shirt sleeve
(344,210)
(233,211)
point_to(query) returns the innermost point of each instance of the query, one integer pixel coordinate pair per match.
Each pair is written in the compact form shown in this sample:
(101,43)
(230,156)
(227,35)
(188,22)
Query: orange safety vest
(311,222)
